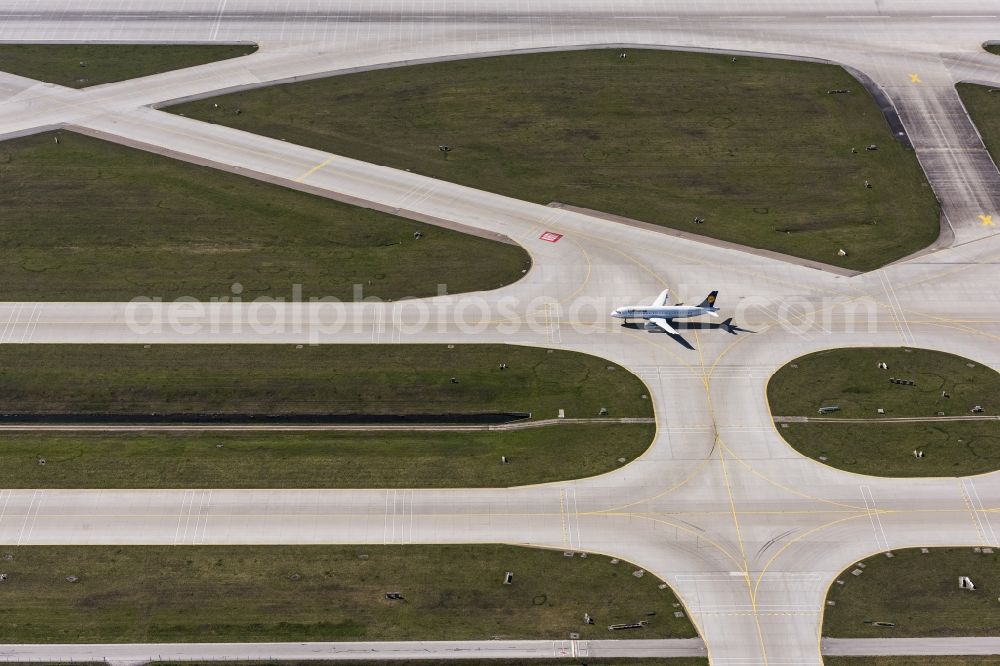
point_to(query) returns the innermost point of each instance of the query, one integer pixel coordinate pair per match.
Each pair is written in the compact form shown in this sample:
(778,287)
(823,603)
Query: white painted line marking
(897,310)
(180,518)
(410,538)
(218,20)
(880,539)
(385,520)
(206,503)
(6,499)
(27,516)
(576,518)
(11,323)
(977,507)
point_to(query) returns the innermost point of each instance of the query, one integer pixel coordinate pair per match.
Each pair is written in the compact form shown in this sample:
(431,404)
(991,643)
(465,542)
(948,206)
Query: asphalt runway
(748,533)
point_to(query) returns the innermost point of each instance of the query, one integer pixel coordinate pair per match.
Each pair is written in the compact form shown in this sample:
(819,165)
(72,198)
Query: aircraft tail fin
(728,326)
(709,301)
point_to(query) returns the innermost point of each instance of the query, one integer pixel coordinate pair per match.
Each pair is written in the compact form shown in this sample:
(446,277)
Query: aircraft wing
(662,323)
(661,300)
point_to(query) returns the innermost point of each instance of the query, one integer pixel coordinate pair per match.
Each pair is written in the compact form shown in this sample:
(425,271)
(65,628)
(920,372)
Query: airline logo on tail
(709,301)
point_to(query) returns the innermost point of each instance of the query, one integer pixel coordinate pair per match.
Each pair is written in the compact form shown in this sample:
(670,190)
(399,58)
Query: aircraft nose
(614,313)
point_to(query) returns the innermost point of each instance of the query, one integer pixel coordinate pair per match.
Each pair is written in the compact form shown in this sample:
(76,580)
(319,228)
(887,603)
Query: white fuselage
(662,312)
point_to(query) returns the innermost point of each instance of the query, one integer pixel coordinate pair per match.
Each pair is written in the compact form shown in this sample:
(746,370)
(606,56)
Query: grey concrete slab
(911,646)
(748,532)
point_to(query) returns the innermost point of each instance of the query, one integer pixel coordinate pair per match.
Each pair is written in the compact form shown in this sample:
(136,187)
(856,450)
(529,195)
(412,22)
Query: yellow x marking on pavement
(914,78)
(987,220)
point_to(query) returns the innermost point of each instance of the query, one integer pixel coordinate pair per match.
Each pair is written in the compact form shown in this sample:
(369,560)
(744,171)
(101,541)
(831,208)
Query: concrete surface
(115,653)
(866,647)
(747,531)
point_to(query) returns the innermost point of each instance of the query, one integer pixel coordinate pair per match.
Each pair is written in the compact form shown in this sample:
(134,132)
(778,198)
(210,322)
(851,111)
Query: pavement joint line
(24,321)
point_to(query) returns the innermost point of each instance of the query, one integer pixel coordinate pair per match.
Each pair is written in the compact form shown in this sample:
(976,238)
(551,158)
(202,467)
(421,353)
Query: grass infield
(919,593)
(886,449)
(984,109)
(323,593)
(318,459)
(757,147)
(851,379)
(88,220)
(83,65)
(87,380)
(911,660)
(324,379)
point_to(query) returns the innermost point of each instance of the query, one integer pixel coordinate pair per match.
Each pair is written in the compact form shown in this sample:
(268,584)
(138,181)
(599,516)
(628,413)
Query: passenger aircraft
(659,314)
